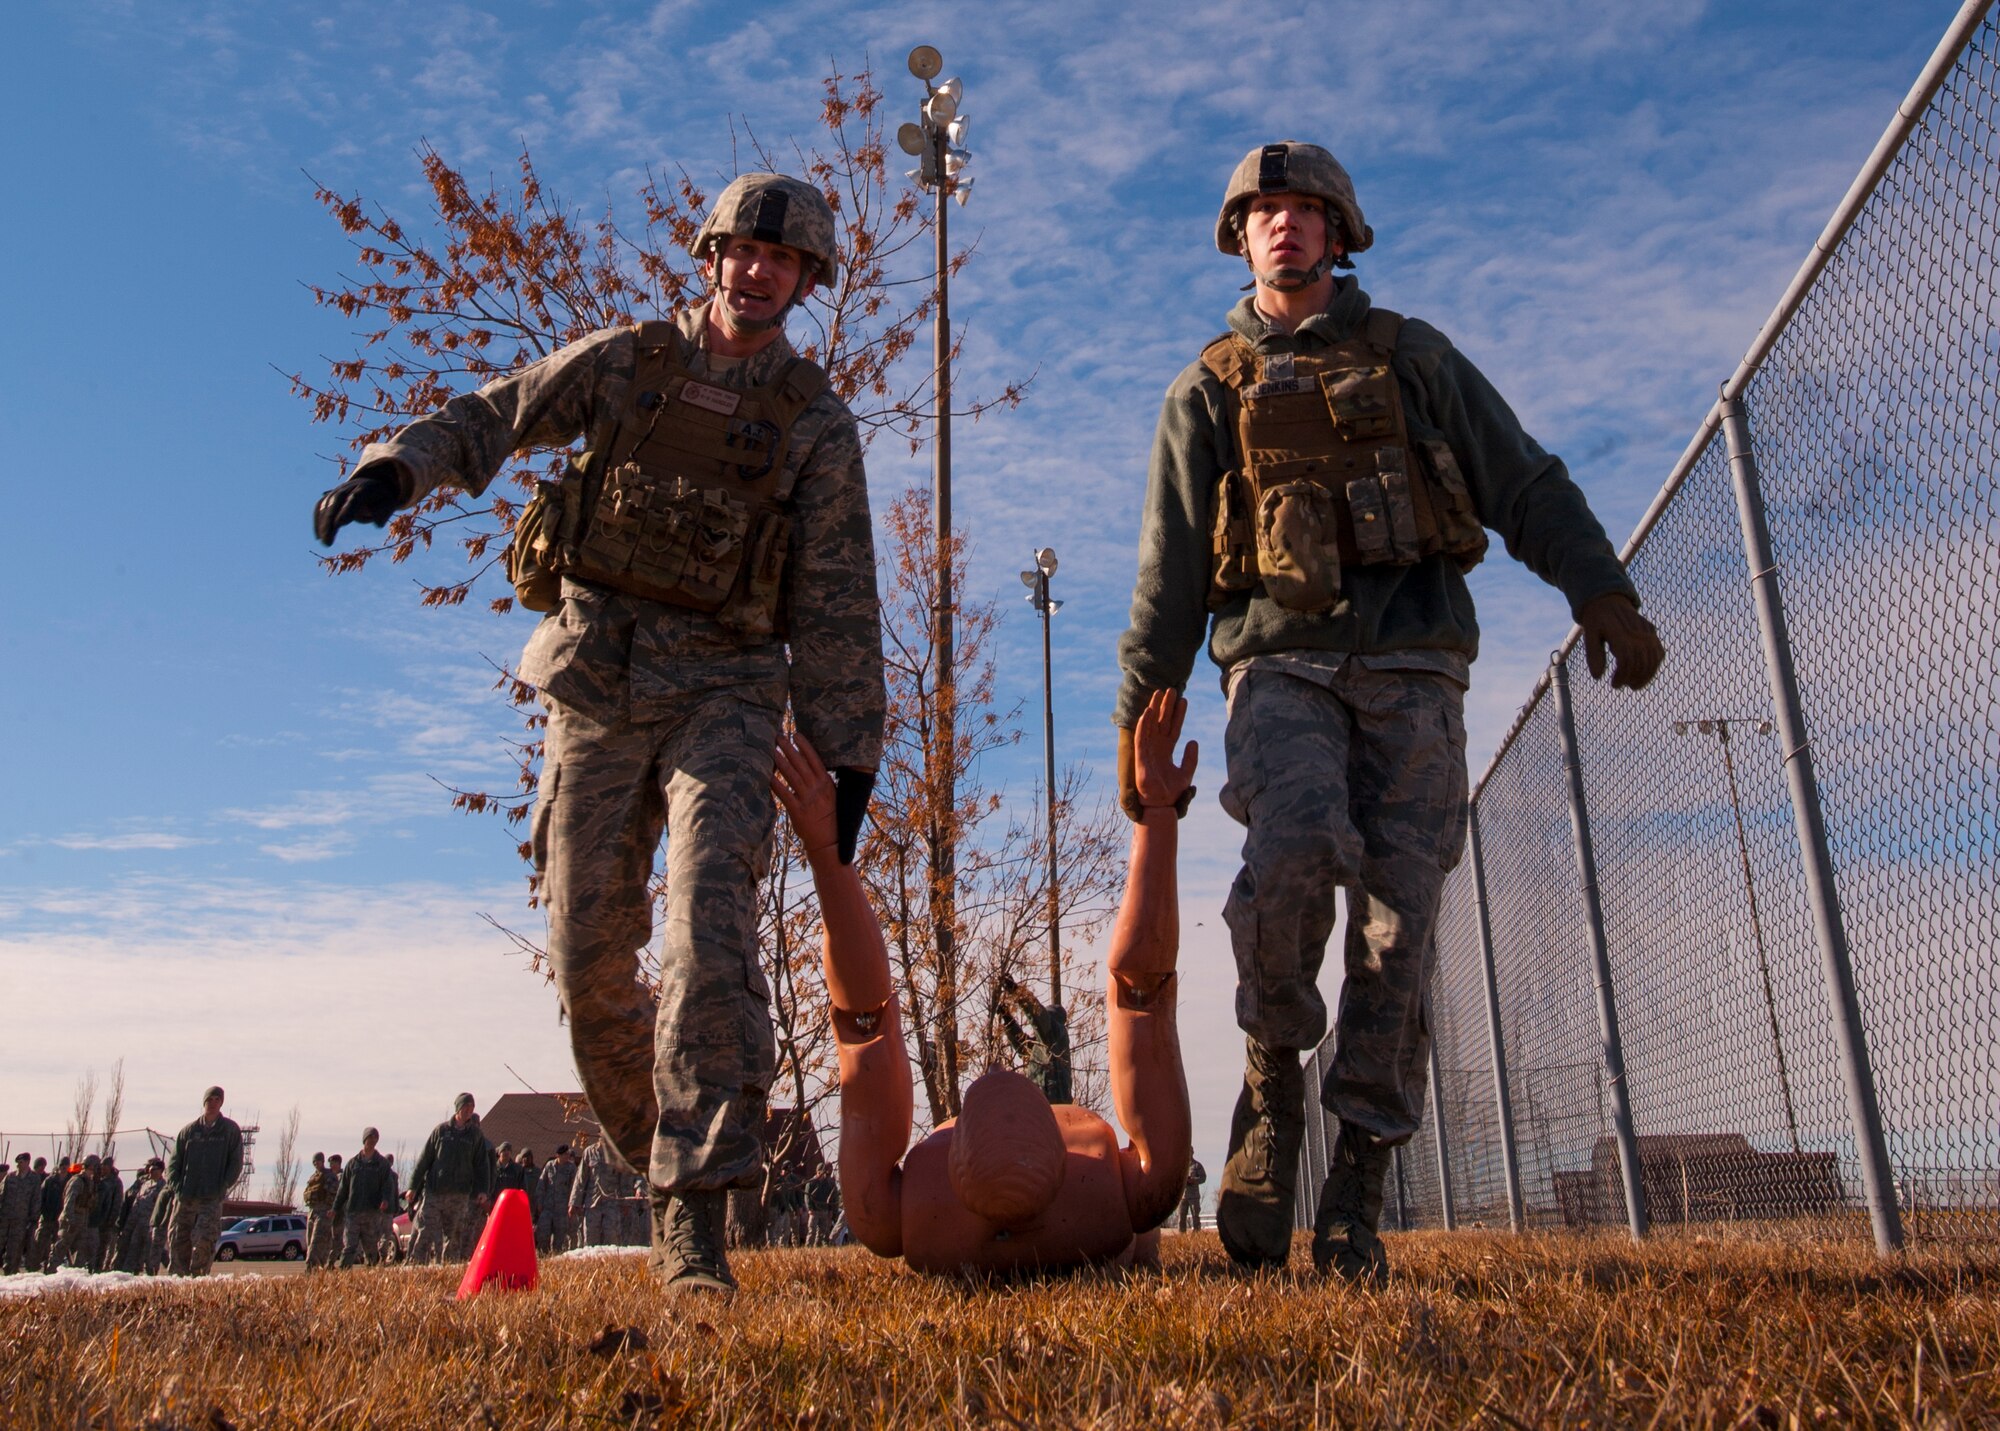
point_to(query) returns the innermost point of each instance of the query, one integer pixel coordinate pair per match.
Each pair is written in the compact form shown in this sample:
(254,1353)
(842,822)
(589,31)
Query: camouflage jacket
(600,1179)
(455,1159)
(20,1194)
(138,1209)
(207,1159)
(108,1202)
(605,653)
(79,1199)
(367,1184)
(556,1179)
(320,1190)
(1414,617)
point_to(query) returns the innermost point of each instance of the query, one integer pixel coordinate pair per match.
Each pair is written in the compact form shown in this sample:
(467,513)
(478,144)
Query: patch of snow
(70,1279)
(603,1252)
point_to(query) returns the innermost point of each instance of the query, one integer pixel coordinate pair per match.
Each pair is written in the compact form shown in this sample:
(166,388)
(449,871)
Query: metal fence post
(1445,1208)
(1822,894)
(1510,1162)
(1600,954)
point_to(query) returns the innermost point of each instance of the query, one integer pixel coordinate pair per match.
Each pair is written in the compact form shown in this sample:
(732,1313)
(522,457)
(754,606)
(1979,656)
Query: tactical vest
(1326,476)
(686,499)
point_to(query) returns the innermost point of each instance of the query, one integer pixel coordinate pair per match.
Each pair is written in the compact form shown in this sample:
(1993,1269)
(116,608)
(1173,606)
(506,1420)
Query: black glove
(851,789)
(370,496)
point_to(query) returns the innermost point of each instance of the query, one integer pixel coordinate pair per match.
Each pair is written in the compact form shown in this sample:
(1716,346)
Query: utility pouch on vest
(1234,540)
(1460,531)
(530,564)
(1297,555)
(665,539)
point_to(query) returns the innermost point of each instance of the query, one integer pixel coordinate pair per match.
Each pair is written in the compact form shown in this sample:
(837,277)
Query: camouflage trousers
(678,1085)
(362,1237)
(603,1225)
(1347,778)
(17,1235)
(197,1222)
(137,1251)
(448,1228)
(552,1232)
(320,1240)
(42,1242)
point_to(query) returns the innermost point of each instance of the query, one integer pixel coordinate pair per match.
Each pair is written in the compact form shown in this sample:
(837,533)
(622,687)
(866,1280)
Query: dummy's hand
(806,791)
(371,496)
(1613,620)
(1156,779)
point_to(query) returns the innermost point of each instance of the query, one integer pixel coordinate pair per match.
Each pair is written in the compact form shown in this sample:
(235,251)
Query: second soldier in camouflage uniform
(20,1205)
(74,1239)
(207,1159)
(366,1202)
(552,1219)
(321,1189)
(600,1196)
(453,1186)
(138,1249)
(1321,481)
(716,559)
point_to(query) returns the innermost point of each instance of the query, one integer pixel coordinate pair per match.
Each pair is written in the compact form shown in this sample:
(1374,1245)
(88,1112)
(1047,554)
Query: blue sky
(225,853)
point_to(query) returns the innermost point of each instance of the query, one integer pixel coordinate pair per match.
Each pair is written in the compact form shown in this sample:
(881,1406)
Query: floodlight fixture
(940,109)
(1045,561)
(926,63)
(961,189)
(910,139)
(1028,579)
(953,88)
(954,132)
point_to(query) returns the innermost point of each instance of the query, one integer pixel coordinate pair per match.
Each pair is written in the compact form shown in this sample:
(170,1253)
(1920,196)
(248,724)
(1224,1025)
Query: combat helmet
(772,208)
(1294,168)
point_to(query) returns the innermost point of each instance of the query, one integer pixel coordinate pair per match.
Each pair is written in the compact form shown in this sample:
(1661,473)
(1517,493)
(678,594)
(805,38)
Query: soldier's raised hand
(1157,778)
(370,495)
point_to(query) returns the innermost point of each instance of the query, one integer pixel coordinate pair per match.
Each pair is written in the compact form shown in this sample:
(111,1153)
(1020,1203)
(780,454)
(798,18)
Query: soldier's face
(1284,231)
(756,280)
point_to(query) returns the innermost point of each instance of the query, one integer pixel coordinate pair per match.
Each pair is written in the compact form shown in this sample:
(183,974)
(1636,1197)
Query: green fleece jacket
(1422,612)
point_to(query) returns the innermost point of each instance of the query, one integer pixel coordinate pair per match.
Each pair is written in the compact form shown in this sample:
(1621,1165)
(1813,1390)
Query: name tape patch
(712,399)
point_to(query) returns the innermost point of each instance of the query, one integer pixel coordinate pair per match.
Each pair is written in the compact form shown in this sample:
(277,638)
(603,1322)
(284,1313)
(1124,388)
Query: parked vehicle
(282,1235)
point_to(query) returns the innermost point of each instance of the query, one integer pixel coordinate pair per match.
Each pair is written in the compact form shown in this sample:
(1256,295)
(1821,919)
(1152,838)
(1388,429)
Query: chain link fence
(1796,828)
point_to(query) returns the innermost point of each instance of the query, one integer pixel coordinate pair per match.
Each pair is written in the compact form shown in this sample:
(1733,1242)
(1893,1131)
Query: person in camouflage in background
(710,557)
(1321,480)
(44,1240)
(138,1249)
(102,1242)
(365,1202)
(452,1185)
(552,1219)
(601,1196)
(73,1229)
(206,1162)
(321,1189)
(20,1206)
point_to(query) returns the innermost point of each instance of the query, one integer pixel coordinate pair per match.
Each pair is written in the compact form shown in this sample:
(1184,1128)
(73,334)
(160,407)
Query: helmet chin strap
(1291,280)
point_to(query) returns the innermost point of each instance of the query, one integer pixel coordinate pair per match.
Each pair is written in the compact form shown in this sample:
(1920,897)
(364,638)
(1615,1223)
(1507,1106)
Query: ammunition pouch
(1329,478)
(694,512)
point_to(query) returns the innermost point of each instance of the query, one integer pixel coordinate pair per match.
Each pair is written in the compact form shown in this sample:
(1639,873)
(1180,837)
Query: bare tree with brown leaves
(114,1110)
(82,1118)
(285,1165)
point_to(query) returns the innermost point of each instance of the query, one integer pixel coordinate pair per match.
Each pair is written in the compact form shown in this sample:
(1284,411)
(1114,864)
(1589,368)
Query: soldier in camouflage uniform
(321,1189)
(44,1239)
(601,1196)
(20,1205)
(552,1221)
(138,1250)
(207,1159)
(102,1242)
(453,1186)
(1321,481)
(365,1202)
(710,557)
(73,1231)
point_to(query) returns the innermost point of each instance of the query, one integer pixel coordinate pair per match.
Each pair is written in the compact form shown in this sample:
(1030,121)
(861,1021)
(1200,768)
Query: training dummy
(1012,1183)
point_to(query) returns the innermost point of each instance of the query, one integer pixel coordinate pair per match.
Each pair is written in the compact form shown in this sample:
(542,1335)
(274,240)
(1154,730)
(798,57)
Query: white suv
(282,1235)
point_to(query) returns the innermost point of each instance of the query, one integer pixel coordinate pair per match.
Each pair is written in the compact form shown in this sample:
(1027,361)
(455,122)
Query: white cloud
(138,840)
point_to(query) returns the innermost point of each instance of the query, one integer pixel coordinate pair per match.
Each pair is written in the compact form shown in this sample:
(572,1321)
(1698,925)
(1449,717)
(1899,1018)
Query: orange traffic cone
(506,1250)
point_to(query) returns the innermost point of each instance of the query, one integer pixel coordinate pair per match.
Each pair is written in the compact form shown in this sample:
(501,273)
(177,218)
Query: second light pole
(1037,582)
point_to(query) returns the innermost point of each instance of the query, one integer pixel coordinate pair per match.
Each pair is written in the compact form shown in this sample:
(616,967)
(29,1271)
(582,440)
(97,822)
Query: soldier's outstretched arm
(1148,1083)
(875,1093)
(464,443)
(833,614)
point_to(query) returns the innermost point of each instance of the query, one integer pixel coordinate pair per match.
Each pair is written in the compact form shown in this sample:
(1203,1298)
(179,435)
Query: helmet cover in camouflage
(772,208)
(1292,168)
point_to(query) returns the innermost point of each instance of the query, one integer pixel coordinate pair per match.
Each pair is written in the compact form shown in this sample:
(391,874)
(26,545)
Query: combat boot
(1346,1239)
(1253,1211)
(687,1241)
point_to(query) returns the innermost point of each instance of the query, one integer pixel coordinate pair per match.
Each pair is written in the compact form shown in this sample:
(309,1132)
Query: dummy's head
(1007,1154)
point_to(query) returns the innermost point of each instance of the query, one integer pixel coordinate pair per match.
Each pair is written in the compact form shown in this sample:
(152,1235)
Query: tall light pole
(936,142)
(1037,582)
(1718,726)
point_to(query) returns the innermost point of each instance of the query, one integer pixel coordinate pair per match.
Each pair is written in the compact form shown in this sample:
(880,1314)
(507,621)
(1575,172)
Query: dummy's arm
(875,1095)
(1148,1084)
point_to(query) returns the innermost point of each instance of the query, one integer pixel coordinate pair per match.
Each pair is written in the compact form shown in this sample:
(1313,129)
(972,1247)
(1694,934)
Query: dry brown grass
(1478,1328)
